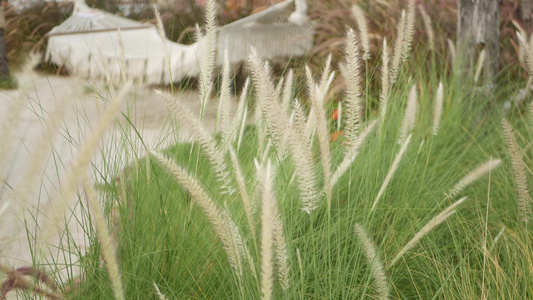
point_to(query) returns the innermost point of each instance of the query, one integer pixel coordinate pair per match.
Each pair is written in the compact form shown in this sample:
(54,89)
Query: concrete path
(26,236)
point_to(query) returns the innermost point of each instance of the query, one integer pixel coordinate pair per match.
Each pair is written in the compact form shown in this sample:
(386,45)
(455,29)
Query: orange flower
(334,114)
(336,135)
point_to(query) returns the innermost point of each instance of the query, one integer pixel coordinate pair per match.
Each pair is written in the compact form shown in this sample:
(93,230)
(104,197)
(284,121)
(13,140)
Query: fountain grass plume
(223,119)
(437,110)
(267,230)
(208,55)
(354,88)
(409,119)
(80,165)
(302,155)
(399,41)
(204,138)
(480,64)
(377,268)
(385,77)
(281,249)
(287,93)
(426,19)
(104,236)
(274,120)
(241,182)
(519,173)
(351,154)
(434,222)
(409,29)
(472,176)
(239,121)
(224,226)
(391,172)
(158,292)
(323,133)
(360,19)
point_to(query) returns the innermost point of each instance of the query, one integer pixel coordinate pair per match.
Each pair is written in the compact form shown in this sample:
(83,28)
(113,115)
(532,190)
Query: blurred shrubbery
(27,27)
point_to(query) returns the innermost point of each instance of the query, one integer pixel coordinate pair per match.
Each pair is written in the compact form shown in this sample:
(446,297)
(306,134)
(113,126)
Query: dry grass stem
(519,173)
(438,219)
(474,175)
(377,268)
(391,172)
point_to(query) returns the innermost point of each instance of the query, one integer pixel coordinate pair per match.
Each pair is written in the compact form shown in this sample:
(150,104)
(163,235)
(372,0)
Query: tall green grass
(427,207)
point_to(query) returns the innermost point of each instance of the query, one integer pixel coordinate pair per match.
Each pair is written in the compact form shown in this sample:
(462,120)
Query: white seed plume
(438,219)
(409,118)
(223,118)
(302,155)
(399,41)
(519,173)
(287,93)
(158,292)
(239,121)
(377,268)
(68,188)
(480,64)
(527,52)
(267,232)
(392,170)
(208,54)
(241,182)
(363,30)
(354,89)
(451,49)
(474,175)
(323,139)
(426,19)
(274,120)
(282,251)
(204,138)
(410,29)
(385,76)
(437,111)
(350,155)
(106,242)
(224,226)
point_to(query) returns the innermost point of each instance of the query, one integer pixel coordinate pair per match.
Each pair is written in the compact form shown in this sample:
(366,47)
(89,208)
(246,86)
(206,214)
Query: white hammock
(92,43)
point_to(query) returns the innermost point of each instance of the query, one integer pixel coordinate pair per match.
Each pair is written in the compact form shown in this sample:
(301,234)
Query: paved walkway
(21,223)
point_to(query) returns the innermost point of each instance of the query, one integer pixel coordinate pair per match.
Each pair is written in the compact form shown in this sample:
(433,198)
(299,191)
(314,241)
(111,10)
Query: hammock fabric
(92,44)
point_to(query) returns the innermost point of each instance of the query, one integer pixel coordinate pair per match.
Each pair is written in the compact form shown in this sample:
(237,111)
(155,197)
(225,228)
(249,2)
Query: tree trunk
(478,28)
(4,62)
(526,14)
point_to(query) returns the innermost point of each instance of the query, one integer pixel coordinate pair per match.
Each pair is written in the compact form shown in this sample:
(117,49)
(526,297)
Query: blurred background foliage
(27,25)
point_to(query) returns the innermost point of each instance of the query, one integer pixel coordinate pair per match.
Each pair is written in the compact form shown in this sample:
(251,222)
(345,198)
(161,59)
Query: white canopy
(92,43)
